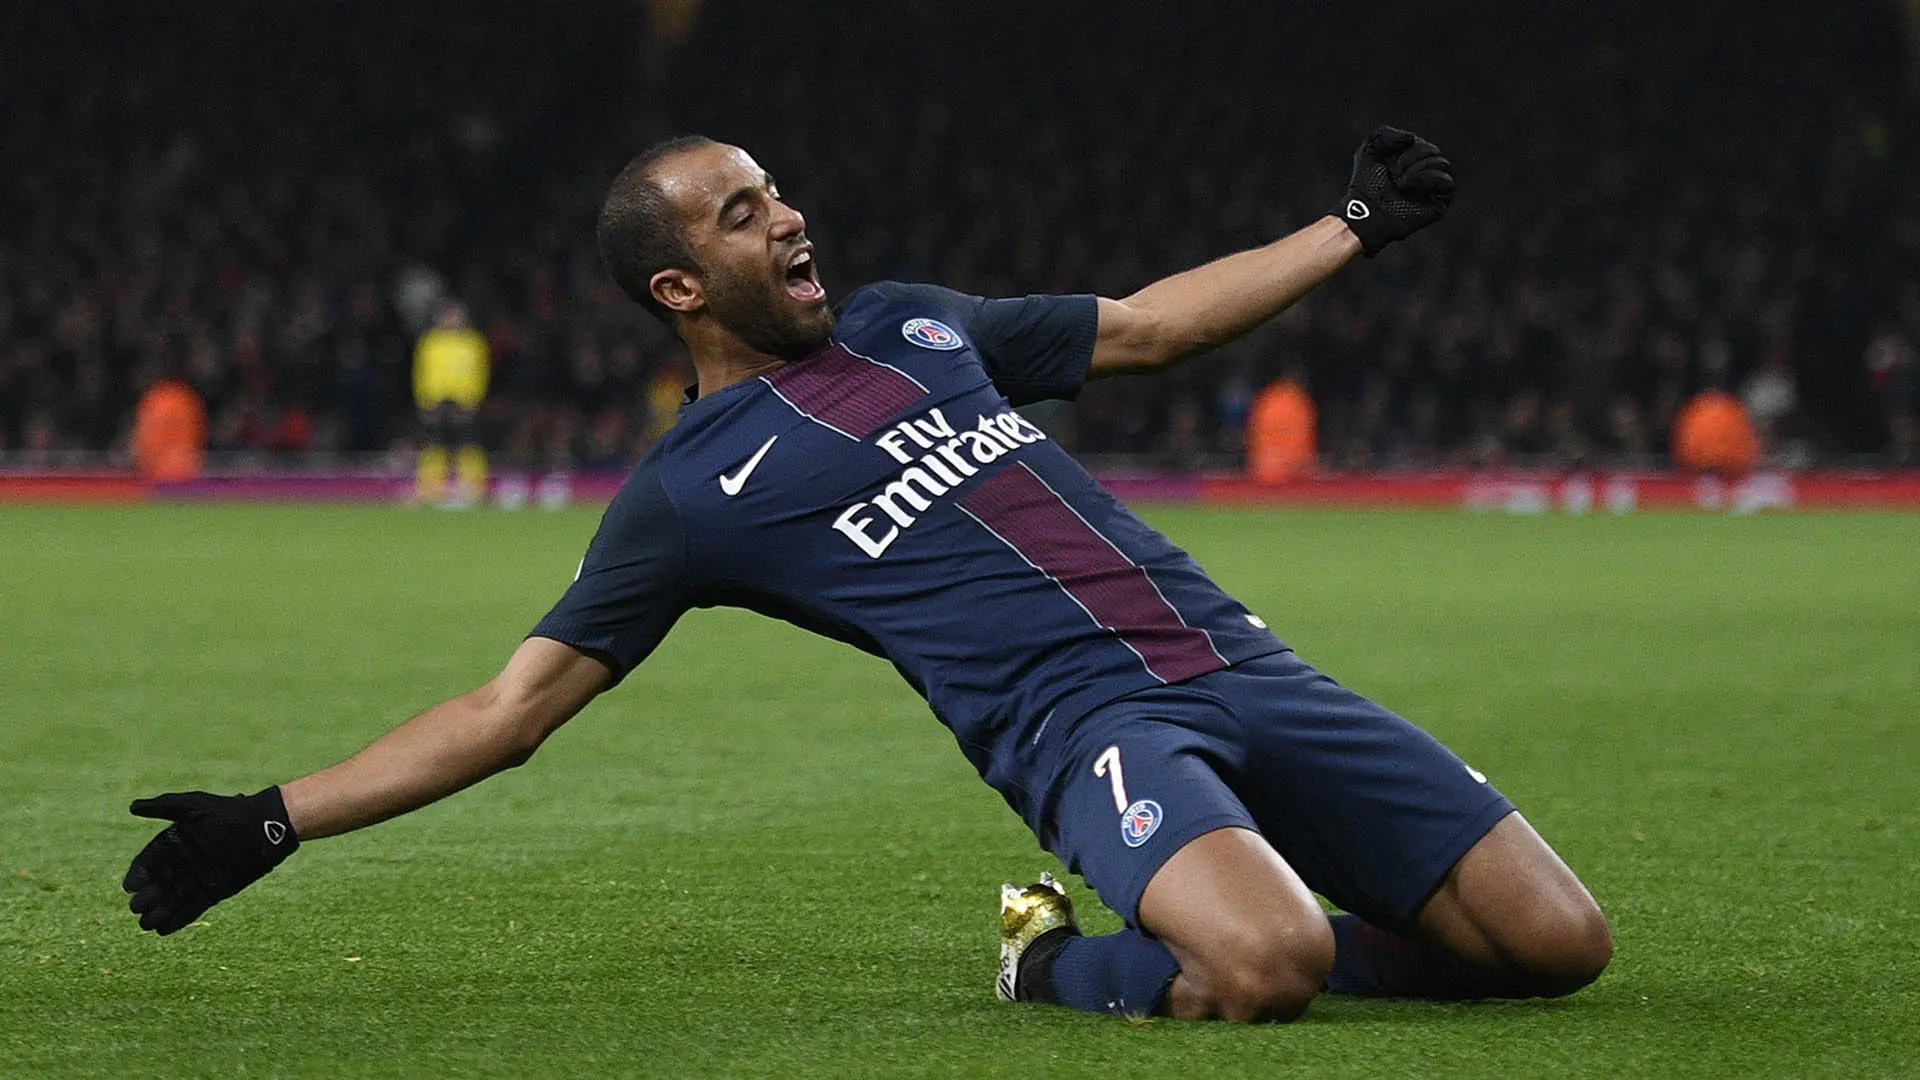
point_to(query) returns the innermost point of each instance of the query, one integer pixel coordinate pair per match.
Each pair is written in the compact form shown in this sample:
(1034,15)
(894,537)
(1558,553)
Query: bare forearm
(453,745)
(1208,306)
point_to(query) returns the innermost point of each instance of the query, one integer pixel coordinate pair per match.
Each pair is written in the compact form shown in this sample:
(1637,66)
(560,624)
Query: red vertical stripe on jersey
(850,394)
(1032,519)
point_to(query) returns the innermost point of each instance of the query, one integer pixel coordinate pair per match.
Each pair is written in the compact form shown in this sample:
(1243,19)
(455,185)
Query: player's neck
(720,360)
(718,373)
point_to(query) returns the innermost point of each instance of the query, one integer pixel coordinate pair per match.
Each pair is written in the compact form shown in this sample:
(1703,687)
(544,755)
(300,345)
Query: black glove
(216,846)
(1401,184)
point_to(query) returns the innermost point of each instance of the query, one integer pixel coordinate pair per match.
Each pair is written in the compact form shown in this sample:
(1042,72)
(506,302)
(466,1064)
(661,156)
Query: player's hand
(1401,184)
(216,846)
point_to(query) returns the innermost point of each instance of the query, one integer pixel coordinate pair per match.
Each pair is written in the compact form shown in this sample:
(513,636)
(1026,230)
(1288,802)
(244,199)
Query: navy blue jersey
(884,492)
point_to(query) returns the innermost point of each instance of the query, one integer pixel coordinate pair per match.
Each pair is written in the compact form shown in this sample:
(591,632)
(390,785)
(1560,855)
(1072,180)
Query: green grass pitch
(762,857)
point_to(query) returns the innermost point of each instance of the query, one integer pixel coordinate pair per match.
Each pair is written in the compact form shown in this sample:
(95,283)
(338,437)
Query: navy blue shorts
(1371,811)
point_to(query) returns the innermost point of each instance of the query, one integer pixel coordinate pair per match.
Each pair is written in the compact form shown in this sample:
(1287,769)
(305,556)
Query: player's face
(757,272)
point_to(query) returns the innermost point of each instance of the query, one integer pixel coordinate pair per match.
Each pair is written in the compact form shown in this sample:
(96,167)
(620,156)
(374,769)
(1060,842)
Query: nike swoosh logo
(731,485)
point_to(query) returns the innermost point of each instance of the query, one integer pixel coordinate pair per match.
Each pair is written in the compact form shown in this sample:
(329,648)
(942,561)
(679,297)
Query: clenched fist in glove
(216,846)
(1401,184)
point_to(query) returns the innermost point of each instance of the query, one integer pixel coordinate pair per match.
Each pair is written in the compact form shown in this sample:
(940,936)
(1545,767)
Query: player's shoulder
(643,493)
(885,294)
(715,434)
(886,298)
(887,312)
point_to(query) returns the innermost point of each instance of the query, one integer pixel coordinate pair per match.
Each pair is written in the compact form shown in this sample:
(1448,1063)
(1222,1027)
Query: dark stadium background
(1653,195)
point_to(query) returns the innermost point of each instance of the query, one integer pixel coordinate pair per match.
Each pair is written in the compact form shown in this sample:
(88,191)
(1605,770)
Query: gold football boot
(1025,914)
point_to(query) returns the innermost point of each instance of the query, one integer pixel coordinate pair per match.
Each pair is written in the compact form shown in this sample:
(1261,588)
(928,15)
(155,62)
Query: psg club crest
(1137,825)
(929,334)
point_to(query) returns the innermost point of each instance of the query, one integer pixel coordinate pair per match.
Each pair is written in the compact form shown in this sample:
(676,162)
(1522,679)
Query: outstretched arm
(1400,184)
(220,844)
(1206,307)
(453,745)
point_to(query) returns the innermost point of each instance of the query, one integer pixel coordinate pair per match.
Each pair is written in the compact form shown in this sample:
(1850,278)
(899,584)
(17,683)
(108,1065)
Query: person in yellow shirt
(450,364)
(665,391)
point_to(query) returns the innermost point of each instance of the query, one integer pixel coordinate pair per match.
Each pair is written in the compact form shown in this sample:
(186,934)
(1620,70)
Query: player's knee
(1565,950)
(1585,948)
(1269,973)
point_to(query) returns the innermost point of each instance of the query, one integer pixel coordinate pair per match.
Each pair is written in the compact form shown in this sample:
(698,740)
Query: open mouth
(803,279)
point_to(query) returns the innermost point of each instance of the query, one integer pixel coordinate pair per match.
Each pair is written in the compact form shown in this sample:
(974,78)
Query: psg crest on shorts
(929,334)
(1137,825)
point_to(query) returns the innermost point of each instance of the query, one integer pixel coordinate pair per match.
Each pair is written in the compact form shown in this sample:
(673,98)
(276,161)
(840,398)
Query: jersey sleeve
(1033,347)
(632,585)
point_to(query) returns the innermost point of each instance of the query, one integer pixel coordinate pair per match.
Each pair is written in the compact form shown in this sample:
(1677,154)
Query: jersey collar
(691,400)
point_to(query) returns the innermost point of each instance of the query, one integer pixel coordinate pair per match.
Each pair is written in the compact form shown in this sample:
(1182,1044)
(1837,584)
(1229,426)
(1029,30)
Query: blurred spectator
(170,431)
(359,399)
(1893,366)
(1770,399)
(1280,432)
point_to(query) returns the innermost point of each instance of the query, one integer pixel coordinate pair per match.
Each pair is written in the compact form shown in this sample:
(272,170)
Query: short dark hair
(638,232)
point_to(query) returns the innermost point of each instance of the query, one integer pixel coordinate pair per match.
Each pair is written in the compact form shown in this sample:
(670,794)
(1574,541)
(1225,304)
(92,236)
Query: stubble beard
(766,319)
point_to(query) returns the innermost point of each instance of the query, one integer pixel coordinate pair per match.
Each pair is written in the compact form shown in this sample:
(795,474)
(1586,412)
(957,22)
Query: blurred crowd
(270,201)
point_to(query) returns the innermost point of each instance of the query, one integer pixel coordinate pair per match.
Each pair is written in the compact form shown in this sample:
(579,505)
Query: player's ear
(677,290)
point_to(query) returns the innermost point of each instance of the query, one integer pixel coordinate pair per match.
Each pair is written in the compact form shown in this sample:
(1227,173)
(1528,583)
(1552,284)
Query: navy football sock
(1125,974)
(1373,962)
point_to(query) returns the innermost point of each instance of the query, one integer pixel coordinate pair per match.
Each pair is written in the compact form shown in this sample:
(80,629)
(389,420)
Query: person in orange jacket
(1713,433)
(1280,431)
(170,431)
